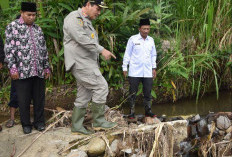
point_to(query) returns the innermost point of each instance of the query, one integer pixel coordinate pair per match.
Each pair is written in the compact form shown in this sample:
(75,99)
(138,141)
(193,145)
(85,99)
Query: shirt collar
(140,37)
(83,14)
(21,21)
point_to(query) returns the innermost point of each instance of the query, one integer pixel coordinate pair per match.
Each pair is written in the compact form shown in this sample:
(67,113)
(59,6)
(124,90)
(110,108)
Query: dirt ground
(14,141)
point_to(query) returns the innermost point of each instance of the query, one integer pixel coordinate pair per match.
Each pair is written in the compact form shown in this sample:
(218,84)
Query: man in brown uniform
(81,51)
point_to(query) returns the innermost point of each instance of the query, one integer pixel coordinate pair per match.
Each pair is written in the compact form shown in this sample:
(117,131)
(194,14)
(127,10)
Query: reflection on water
(206,104)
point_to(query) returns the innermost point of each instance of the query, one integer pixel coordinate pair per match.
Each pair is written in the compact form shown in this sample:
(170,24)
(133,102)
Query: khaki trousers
(91,85)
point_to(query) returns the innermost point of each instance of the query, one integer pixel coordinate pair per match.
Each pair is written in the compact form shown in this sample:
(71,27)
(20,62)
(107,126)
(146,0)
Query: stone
(77,153)
(202,127)
(96,146)
(180,131)
(192,130)
(195,119)
(228,114)
(114,145)
(83,148)
(139,155)
(222,133)
(176,118)
(223,122)
(229,129)
(185,147)
(150,120)
(211,117)
(127,151)
(228,136)
(163,118)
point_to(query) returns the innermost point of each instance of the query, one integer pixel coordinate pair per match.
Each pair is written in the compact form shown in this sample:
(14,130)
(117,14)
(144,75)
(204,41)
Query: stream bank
(179,136)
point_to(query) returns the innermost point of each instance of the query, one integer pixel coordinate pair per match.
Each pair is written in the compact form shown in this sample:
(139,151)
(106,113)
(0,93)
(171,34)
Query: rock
(223,122)
(163,118)
(192,130)
(176,118)
(228,114)
(229,129)
(185,147)
(127,151)
(202,127)
(211,117)
(138,155)
(77,153)
(180,131)
(195,119)
(83,148)
(0,128)
(96,146)
(150,121)
(215,132)
(106,108)
(114,146)
(228,136)
(156,120)
(222,133)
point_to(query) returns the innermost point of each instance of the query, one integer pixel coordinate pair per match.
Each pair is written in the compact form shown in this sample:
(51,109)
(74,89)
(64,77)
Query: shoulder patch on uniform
(79,21)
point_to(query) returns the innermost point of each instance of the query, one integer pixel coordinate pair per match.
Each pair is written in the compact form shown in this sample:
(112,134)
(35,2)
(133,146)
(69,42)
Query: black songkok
(144,22)
(28,6)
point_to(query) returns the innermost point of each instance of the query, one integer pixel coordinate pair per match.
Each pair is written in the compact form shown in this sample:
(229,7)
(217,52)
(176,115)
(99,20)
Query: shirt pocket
(138,47)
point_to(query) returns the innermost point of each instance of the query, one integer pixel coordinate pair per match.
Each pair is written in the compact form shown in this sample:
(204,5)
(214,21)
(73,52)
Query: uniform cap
(100,3)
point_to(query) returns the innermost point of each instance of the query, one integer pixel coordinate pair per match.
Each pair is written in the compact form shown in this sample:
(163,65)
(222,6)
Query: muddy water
(206,104)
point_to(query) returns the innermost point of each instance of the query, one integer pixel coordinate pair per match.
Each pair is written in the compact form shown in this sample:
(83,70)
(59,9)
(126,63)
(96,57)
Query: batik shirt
(140,55)
(25,50)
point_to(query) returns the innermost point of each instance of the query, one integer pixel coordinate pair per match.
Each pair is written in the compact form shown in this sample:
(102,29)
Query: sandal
(10,123)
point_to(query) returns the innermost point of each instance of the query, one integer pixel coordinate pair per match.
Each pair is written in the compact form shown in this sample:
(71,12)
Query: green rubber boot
(99,121)
(78,117)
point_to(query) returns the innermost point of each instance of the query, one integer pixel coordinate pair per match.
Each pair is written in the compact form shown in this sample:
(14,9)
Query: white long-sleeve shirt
(140,55)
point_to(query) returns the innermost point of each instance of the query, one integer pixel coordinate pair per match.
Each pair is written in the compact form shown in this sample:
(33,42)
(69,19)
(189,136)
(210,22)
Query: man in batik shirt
(26,54)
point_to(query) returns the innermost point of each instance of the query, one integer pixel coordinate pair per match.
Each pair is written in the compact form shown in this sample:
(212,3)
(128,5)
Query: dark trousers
(13,96)
(31,89)
(134,84)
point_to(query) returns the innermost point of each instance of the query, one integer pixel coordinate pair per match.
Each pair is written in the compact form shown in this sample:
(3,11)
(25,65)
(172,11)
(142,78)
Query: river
(208,103)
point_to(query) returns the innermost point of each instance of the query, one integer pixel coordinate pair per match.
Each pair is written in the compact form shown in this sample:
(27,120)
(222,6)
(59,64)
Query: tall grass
(199,33)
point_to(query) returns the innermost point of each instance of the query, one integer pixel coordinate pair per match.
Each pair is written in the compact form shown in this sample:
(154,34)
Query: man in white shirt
(140,55)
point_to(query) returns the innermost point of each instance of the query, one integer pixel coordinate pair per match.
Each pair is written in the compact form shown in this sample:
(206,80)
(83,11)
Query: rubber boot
(99,121)
(148,112)
(132,110)
(78,117)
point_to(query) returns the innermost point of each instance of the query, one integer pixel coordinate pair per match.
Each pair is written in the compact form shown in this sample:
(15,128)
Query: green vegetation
(193,40)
